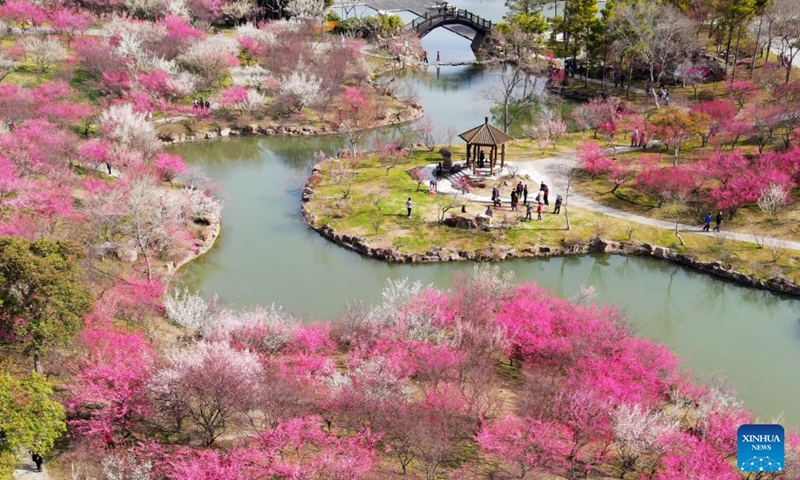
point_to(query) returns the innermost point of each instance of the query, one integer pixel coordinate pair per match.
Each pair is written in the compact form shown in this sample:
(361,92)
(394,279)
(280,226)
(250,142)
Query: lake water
(266,254)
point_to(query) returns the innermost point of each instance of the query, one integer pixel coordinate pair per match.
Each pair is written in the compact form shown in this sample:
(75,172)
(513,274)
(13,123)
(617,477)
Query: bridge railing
(450,13)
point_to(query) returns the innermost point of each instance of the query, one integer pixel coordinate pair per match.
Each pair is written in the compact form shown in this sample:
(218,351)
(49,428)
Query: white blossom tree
(253,76)
(637,432)
(238,10)
(210,58)
(129,128)
(301,90)
(152,220)
(125,467)
(7,65)
(773,198)
(182,84)
(210,384)
(44,53)
(191,311)
(306,9)
(248,30)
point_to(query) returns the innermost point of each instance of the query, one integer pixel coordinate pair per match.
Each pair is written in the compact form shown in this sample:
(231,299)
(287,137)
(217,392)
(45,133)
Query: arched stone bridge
(452,16)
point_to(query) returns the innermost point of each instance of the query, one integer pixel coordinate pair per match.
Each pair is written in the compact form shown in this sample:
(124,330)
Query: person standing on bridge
(438,57)
(425,57)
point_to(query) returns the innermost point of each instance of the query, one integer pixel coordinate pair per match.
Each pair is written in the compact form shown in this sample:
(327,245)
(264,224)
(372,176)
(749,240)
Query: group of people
(425,57)
(200,104)
(639,139)
(619,80)
(520,191)
(707,222)
(663,93)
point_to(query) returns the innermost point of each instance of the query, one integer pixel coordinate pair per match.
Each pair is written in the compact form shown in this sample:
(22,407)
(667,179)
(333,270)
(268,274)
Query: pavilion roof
(486,134)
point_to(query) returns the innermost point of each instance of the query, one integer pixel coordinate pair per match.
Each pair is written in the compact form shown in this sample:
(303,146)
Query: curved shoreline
(499,252)
(412,113)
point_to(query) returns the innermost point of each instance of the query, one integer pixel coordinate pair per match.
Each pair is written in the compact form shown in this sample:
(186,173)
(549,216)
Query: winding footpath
(27,470)
(550,170)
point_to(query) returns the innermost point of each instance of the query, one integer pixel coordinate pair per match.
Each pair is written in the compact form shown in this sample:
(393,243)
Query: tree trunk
(630,78)
(736,54)
(728,45)
(653,85)
(147,266)
(769,41)
(37,363)
(755,50)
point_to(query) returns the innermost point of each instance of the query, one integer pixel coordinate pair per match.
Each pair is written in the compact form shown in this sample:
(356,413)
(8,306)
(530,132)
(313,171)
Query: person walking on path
(37,459)
(557,210)
(410,205)
(718,221)
(539,212)
(635,137)
(707,222)
(525,194)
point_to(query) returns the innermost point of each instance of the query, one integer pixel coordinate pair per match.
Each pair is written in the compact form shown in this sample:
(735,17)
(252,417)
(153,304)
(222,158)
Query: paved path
(550,171)
(27,471)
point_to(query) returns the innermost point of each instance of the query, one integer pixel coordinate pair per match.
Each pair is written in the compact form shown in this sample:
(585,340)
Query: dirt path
(27,470)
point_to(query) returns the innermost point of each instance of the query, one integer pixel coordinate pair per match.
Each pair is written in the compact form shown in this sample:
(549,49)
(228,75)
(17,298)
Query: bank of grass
(374,210)
(746,257)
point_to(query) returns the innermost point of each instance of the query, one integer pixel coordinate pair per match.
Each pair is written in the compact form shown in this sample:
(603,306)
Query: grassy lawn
(374,210)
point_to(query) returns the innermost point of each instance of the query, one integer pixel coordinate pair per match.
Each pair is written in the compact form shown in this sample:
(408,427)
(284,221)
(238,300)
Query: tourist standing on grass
(557,210)
(707,222)
(525,194)
(718,221)
(528,209)
(635,137)
(410,205)
(514,200)
(539,212)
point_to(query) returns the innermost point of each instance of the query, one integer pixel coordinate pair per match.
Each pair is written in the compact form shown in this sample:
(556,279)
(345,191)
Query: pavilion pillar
(503,155)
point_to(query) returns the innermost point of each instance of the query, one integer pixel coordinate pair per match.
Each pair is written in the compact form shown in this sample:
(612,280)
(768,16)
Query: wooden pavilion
(482,136)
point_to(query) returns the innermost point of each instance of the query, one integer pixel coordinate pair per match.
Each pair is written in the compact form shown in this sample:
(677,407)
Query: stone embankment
(499,252)
(412,113)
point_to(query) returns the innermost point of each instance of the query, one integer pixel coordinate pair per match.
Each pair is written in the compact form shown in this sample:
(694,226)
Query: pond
(267,255)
